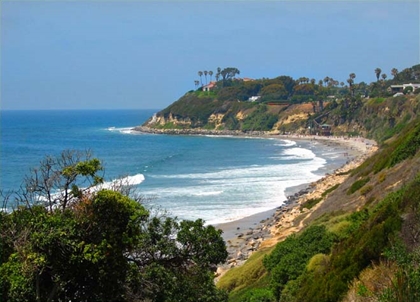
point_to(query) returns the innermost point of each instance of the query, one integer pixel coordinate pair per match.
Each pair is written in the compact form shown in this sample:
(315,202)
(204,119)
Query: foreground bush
(100,245)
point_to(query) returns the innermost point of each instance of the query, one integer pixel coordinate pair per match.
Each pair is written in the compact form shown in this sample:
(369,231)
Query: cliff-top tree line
(232,103)
(303,89)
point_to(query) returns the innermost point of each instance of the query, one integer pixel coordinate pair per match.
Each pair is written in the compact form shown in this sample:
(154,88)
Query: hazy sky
(143,54)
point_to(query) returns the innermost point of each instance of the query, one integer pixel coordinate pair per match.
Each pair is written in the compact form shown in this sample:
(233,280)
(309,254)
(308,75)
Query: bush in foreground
(100,245)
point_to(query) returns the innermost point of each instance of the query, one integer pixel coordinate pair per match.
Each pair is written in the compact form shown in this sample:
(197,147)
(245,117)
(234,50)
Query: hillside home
(400,88)
(325,130)
(254,98)
(209,86)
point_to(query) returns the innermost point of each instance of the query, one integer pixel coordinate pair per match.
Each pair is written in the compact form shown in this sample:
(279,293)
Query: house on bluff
(209,86)
(400,88)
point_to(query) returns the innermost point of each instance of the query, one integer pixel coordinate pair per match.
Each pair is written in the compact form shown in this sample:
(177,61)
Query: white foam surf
(123,130)
(235,192)
(125,181)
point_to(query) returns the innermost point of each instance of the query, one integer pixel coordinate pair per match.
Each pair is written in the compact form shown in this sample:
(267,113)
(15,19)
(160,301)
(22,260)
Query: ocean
(216,178)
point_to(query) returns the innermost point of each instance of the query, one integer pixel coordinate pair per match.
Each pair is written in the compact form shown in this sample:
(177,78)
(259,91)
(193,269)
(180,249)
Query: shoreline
(245,236)
(262,230)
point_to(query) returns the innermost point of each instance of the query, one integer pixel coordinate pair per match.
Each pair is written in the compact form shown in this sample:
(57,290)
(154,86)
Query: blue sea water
(215,178)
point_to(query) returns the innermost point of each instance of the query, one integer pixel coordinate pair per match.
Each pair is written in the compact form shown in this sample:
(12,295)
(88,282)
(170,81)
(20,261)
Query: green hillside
(302,105)
(362,243)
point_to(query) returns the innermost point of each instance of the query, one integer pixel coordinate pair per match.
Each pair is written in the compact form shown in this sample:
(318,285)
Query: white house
(254,98)
(400,88)
(209,86)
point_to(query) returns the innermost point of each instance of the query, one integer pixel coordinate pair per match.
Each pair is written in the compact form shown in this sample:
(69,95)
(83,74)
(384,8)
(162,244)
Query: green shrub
(288,259)
(357,185)
(370,236)
(259,120)
(247,275)
(259,295)
(329,190)
(318,263)
(381,177)
(310,203)
(365,190)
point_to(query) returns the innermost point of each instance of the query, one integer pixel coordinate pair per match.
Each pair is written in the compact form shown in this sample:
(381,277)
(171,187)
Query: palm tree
(326,80)
(352,76)
(196,83)
(394,72)
(321,104)
(378,73)
(200,74)
(210,74)
(218,74)
(384,76)
(313,106)
(205,74)
(350,81)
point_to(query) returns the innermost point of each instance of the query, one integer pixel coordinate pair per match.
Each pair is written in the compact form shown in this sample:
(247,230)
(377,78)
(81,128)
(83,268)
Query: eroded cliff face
(290,118)
(368,117)
(216,119)
(161,121)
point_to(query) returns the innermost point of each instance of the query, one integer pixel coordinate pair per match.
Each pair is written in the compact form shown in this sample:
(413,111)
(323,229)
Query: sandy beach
(247,235)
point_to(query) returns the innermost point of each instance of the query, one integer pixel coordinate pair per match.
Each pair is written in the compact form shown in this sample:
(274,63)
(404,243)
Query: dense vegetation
(92,244)
(373,255)
(379,240)
(319,264)
(260,104)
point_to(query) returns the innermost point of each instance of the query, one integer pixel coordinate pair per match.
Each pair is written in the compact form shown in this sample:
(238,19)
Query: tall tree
(56,182)
(384,76)
(200,74)
(378,73)
(394,72)
(351,87)
(210,74)
(321,103)
(229,73)
(205,75)
(218,74)
(313,103)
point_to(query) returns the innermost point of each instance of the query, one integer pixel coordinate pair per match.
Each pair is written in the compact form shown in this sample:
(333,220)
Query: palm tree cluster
(200,74)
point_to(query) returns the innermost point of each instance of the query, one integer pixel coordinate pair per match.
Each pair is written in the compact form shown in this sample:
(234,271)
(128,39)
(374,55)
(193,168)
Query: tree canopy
(102,246)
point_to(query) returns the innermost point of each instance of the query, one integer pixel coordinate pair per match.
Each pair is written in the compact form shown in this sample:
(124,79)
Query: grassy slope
(394,166)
